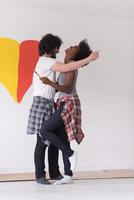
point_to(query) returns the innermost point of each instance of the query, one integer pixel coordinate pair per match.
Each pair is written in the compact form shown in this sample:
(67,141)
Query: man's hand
(45,80)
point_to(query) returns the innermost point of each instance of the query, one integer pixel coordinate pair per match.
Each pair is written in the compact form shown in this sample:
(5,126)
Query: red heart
(27,62)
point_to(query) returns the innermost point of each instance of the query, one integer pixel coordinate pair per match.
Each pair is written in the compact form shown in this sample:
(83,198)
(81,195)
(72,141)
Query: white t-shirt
(43,68)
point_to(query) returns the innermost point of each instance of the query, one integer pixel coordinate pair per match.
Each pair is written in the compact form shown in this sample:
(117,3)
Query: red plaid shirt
(71,116)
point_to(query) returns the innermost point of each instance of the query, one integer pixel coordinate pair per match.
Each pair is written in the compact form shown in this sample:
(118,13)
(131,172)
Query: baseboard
(81,175)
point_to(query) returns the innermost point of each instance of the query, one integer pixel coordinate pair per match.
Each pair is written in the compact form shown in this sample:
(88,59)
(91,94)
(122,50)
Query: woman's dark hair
(84,50)
(48,43)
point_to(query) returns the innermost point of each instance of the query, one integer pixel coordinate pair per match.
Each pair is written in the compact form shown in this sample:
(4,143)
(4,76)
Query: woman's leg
(50,132)
(53,154)
(54,122)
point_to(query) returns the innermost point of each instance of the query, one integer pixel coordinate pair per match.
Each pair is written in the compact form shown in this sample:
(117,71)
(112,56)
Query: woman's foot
(59,177)
(66,180)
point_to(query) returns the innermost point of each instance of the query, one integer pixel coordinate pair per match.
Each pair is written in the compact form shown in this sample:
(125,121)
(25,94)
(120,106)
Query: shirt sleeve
(46,71)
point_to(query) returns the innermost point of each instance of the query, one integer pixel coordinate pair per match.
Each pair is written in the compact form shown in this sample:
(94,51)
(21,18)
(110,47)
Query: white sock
(73,160)
(66,180)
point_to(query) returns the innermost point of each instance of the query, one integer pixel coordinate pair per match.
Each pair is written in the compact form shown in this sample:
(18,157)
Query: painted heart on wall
(17,63)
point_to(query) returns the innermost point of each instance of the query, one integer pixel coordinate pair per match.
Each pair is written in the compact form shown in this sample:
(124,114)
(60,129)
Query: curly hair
(48,43)
(84,50)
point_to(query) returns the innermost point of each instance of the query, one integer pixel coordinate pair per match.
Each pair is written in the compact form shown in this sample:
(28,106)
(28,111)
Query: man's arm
(69,80)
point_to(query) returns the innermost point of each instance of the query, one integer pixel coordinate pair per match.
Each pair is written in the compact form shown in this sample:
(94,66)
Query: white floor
(100,189)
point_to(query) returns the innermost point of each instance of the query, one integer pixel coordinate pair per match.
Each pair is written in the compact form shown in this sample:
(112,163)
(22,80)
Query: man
(52,44)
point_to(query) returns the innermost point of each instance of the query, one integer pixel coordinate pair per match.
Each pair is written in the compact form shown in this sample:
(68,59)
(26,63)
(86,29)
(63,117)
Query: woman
(65,123)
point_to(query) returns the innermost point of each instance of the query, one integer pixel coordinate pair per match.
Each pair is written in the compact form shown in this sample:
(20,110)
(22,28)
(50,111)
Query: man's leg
(39,157)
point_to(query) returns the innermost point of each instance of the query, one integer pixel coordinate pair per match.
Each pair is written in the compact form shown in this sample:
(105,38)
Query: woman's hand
(93,56)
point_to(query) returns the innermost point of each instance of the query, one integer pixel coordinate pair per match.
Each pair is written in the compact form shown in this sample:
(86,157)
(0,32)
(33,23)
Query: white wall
(105,88)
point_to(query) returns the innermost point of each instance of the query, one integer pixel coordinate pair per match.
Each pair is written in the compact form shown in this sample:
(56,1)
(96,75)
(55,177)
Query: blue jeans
(54,131)
(39,158)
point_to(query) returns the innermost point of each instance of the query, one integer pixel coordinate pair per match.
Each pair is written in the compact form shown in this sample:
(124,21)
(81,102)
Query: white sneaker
(73,160)
(66,180)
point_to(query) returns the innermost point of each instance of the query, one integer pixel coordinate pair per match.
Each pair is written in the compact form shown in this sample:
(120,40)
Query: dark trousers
(54,130)
(39,159)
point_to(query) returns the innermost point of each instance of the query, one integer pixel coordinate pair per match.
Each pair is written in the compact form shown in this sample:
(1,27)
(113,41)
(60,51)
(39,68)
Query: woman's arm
(61,67)
(69,81)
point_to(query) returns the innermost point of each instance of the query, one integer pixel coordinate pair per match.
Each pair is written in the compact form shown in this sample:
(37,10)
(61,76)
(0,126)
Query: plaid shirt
(41,110)
(71,116)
